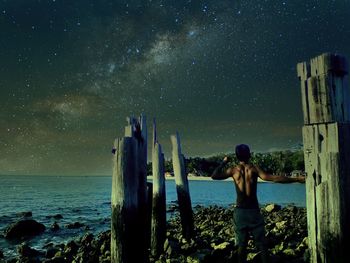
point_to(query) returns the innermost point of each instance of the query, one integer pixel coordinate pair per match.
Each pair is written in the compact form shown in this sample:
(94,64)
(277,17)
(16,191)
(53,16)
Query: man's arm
(278,178)
(221,173)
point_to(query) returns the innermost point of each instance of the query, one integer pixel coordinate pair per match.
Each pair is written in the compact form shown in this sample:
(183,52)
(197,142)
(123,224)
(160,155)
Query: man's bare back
(245,177)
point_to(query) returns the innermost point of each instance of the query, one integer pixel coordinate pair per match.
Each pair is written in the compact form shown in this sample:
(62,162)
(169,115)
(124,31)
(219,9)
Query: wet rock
(87,239)
(253,256)
(281,225)
(74,225)
(51,252)
(26,251)
(57,216)
(272,208)
(70,248)
(24,228)
(289,252)
(199,256)
(171,247)
(55,260)
(221,246)
(55,227)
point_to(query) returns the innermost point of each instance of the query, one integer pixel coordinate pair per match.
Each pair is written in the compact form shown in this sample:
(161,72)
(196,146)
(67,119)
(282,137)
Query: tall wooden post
(159,198)
(326,136)
(129,192)
(183,193)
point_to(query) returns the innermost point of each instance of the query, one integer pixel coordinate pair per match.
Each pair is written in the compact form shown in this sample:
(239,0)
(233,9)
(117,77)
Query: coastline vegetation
(279,162)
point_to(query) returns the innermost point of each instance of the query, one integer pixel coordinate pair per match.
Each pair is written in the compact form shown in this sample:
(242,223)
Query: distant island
(288,163)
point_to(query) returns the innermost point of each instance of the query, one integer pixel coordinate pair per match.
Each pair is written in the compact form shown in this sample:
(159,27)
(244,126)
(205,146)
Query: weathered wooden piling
(129,192)
(183,193)
(326,135)
(158,233)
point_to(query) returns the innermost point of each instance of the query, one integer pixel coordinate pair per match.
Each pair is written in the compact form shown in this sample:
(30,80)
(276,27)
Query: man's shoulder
(248,166)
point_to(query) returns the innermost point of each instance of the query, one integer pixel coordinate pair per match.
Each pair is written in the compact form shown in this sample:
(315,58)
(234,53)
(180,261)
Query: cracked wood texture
(129,229)
(326,137)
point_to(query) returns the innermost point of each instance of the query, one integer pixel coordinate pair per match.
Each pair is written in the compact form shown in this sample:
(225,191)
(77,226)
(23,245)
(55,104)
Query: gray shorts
(249,221)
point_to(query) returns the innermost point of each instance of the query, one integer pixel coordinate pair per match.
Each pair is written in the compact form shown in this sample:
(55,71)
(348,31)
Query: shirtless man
(247,217)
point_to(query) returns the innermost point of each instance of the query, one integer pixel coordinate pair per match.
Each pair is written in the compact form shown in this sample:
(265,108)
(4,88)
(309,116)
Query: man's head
(243,152)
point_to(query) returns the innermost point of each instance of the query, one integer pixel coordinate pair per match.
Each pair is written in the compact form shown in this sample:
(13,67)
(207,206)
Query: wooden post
(129,192)
(326,136)
(183,193)
(159,198)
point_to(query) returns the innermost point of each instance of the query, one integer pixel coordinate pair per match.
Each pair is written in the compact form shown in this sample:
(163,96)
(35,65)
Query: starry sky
(220,72)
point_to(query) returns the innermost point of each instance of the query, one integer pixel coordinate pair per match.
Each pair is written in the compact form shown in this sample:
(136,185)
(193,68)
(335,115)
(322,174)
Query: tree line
(279,162)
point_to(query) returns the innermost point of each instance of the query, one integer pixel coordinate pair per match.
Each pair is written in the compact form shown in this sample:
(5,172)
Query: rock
(289,252)
(272,208)
(51,252)
(23,228)
(281,225)
(1,254)
(199,256)
(57,216)
(74,225)
(26,251)
(48,245)
(171,247)
(253,257)
(71,248)
(221,246)
(55,227)
(55,260)
(87,239)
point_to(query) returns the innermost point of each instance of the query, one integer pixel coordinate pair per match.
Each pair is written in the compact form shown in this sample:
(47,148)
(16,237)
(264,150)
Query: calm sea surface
(87,200)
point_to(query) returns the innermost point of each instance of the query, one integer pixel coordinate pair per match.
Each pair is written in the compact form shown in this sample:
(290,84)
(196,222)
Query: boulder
(51,252)
(272,208)
(55,227)
(74,225)
(87,239)
(24,228)
(171,247)
(281,225)
(55,260)
(71,248)
(289,252)
(221,246)
(26,251)
(57,216)
(199,256)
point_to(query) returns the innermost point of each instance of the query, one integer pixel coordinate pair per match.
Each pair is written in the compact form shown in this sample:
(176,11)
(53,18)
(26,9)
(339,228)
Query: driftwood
(158,230)
(326,136)
(183,193)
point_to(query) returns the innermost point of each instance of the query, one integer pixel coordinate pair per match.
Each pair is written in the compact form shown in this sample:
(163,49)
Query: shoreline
(213,239)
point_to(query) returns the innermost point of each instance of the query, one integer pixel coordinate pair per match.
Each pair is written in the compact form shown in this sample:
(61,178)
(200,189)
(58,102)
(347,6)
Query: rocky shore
(286,235)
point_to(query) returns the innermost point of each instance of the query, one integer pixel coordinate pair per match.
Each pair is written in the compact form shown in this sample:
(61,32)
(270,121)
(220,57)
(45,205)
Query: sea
(86,199)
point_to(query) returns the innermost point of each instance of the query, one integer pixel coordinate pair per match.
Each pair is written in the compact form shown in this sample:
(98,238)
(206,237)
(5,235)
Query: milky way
(219,72)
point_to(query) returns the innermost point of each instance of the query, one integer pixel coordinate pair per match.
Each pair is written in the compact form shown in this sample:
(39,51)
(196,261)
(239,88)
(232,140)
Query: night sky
(220,72)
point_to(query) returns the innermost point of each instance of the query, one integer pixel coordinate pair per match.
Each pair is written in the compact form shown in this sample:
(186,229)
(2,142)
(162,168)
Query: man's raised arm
(221,173)
(278,178)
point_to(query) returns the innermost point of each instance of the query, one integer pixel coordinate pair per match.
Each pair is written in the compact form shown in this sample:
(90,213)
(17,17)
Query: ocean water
(87,200)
